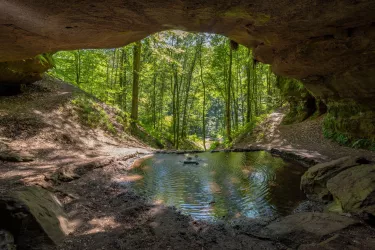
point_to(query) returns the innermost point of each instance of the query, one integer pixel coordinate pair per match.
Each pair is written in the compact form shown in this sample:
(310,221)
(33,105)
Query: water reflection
(223,185)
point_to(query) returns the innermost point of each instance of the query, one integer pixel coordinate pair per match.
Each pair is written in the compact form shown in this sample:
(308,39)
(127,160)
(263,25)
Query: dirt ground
(41,124)
(305,139)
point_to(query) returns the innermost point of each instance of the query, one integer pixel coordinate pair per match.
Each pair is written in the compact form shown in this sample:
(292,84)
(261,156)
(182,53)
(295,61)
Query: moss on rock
(302,104)
(354,189)
(350,124)
(25,71)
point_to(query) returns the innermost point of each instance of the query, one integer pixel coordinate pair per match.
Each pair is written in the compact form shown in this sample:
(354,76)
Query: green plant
(214,145)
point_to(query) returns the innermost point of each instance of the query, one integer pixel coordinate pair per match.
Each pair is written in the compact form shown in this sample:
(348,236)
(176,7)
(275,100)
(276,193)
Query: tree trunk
(248,89)
(204,99)
(227,111)
(78,67)
(188,84)
(136,72)
(154,101)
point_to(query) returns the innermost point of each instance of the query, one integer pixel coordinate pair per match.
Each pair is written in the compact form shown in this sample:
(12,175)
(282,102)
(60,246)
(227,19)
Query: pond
(224,185)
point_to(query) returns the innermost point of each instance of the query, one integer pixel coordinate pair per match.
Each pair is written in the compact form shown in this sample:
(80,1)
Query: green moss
(93,115)
(46,59)
(334,206)
(25,71)
(302,104)
(350,124)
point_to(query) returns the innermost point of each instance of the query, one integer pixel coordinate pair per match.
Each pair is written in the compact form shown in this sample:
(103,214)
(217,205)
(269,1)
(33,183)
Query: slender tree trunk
(136,72)
(125,89)
(187,92)
(227,112)
(177,89)
(161,102)
(204,98)
(248,89)
(121,80)
(173,88)
(154,101)
(255,89)
(78,67)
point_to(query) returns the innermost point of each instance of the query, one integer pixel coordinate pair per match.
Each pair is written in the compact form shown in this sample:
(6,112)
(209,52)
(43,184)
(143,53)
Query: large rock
(24,71)
(299,228)
(6,241)
(301,103)
(31,214)
(314,180)
(354,189)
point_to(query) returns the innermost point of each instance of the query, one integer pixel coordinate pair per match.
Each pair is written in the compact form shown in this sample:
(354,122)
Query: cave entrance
(180,77)
(10,89)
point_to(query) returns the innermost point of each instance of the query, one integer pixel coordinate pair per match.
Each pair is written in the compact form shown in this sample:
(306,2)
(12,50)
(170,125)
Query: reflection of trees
(236,182)
(286,194)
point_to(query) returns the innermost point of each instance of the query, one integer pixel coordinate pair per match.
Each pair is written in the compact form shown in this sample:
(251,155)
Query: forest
(179,86)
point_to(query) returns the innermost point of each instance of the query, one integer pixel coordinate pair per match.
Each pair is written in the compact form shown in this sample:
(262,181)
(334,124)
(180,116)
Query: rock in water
(305,227)
(33,215)
(314,181)
(354,189)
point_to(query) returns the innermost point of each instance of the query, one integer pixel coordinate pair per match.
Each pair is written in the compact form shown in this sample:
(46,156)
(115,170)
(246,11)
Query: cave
(327,45)
(321,54)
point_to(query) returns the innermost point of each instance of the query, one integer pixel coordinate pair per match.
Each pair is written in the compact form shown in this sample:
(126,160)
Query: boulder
(354,189)
(354,238)
(300,228)
(6,241)
(314,181)
(34,216)
(25,71)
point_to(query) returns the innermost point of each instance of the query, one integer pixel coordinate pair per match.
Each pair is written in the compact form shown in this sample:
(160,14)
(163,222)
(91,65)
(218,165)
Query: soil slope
(44,125)
(304,139)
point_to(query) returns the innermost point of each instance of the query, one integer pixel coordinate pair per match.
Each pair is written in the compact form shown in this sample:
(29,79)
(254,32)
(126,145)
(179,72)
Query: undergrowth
(247,130)
(348,141)
(331,131)
(93,115)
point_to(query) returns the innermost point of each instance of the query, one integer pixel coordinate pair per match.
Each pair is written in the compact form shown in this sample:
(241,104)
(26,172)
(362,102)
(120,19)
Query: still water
(224,185)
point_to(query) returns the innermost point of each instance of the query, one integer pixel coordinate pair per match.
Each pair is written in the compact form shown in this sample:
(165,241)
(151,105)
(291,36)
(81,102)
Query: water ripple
(223,185)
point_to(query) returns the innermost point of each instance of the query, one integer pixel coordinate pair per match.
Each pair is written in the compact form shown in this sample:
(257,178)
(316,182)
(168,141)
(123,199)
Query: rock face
(28,212)
(314,180)
(302,104)
(328,45)
(354,189)
(6,241)
(349,183)
(306,227)
(25,71)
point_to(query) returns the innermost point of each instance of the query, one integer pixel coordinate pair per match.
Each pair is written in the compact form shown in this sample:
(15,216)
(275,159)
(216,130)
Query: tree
(228,104)
(78,66)
(136,72)
(204,94)
(193,85)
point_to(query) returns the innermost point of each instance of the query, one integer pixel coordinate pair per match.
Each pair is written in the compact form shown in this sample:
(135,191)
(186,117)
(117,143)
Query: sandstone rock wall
(328,45)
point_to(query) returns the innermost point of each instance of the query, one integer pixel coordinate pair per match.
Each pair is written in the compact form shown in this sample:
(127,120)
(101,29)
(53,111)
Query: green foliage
(93,115)
(248,129)
(171,86)
(214,145)
(46,59)
(298,98)
(332,129)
